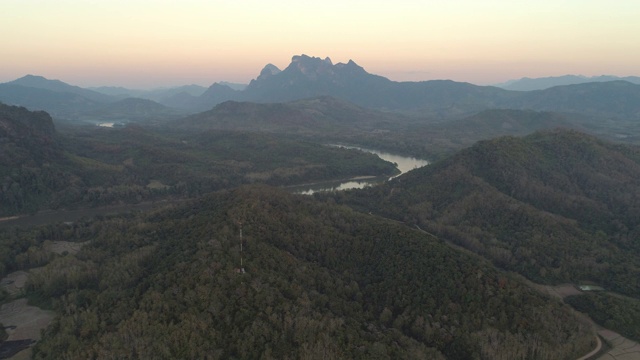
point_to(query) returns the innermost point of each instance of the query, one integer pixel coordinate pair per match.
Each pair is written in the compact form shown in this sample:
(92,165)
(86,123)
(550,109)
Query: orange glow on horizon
(138,43)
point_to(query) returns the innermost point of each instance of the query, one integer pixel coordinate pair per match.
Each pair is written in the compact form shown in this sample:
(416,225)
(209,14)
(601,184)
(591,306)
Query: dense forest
(358,274)
(321,281)
(41,168)
(555,206)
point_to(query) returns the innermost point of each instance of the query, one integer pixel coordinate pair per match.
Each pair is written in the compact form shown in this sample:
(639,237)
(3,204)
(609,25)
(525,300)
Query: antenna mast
(241,252)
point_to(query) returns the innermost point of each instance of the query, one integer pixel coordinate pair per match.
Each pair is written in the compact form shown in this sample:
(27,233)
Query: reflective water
(403,163)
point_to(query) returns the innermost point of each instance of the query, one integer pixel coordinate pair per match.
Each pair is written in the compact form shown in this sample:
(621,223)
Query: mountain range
(529,84)
(73,103)
(308,77)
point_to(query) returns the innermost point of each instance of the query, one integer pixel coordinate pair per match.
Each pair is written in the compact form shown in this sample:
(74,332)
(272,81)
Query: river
(403,163)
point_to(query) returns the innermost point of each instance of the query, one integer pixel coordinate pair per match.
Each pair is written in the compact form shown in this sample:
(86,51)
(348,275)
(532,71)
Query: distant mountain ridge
(307,77)
(68,102)
(529,84)
(157,95)
(59,104)
(311,77)
(39,82)
(133,109)
(613,98)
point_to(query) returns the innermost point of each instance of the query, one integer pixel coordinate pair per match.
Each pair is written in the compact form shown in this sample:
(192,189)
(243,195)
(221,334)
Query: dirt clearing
(62,247)
(22,322)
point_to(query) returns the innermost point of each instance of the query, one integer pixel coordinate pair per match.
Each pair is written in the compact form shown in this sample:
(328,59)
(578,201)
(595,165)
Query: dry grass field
(23,322)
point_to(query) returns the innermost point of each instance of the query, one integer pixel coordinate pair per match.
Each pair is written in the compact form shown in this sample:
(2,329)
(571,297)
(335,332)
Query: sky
(152,43)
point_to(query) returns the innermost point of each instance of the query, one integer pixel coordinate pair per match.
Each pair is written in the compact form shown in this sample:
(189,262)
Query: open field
(23,322)
(14,282)
(563,290)
(61,247)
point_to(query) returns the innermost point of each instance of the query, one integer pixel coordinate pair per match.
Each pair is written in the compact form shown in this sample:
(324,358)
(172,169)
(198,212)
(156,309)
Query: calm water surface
(403,163)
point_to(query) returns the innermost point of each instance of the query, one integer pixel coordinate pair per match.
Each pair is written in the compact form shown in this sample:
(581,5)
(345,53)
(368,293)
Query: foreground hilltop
(320,281)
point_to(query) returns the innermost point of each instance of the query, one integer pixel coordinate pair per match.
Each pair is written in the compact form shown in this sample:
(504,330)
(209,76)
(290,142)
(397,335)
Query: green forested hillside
(321,281)
(317,117)
(26,137)
(554,206)
(28,149)
(41,168)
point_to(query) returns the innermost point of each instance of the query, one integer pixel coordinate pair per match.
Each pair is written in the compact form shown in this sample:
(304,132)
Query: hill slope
(68,102)
(39,82)
(612,98)
(58,104)
(317,116)
(554,206)
(28,154)
(133,110)
(26,138)
(321,282)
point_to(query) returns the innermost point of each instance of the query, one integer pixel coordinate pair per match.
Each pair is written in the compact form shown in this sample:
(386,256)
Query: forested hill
(321,281)
(26,138)
(321,116)
(28,148)
(555,206)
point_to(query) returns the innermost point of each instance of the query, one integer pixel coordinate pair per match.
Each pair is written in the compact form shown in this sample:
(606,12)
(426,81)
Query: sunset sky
(150,43)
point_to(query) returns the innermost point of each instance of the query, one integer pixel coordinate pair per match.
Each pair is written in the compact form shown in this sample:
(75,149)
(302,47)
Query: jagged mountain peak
(269,70)
(307,59)
(315,68)
(351,65)
(309,66)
